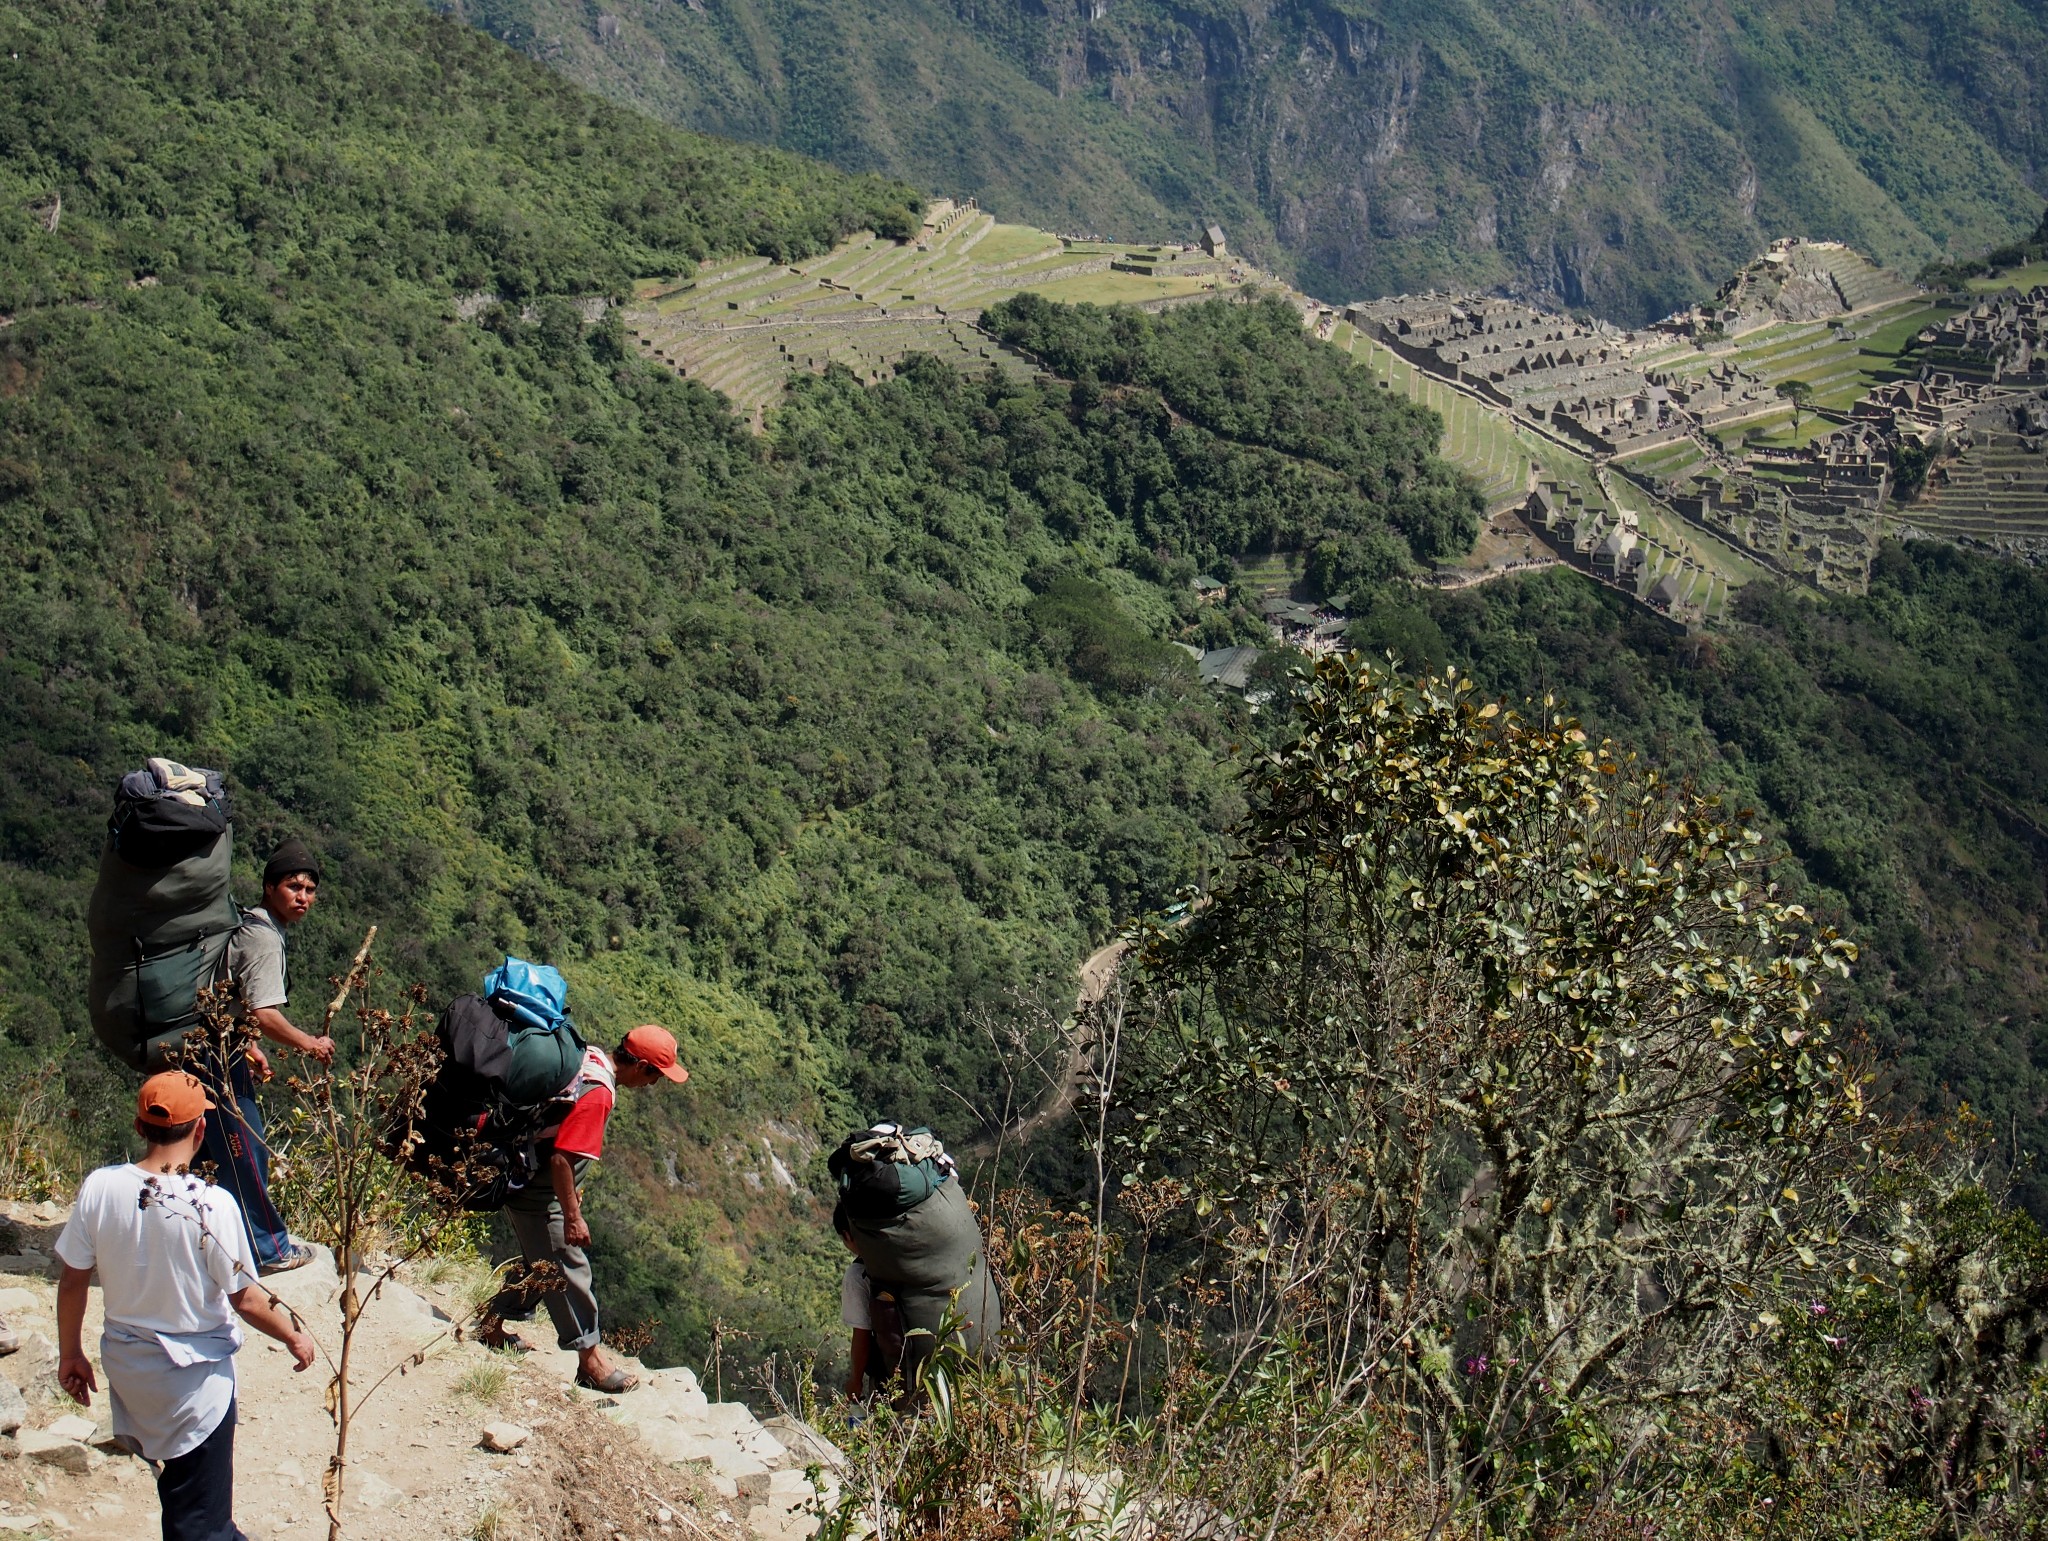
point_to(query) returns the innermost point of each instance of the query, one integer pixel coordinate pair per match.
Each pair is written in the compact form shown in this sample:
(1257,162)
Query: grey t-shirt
(256,959)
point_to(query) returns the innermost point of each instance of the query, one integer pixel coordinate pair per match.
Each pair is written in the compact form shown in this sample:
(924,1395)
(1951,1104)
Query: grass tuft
(485,1382)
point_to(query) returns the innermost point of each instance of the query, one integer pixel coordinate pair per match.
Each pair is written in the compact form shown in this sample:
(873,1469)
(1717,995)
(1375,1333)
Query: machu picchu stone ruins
(1760,432)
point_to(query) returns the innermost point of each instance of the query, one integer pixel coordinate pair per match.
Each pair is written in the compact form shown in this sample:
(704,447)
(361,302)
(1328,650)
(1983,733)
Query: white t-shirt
(170,1250)
(853,1298)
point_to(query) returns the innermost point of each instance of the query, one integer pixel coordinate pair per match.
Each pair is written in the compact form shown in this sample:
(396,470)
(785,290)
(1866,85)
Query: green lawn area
(1778,432)
(2021,279)
(1897,332)
(1113,288)
(1773,342)
(1674,462)
(1006,243)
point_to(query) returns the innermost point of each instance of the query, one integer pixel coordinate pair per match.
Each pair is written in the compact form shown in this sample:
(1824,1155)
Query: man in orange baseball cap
(548,1218)
(176,1271)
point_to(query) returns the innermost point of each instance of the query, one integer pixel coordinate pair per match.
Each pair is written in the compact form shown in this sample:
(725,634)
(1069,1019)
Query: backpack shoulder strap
(256,915)
(597,1070)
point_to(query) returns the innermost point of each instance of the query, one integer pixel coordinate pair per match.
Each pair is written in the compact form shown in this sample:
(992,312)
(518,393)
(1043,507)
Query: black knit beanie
(292,856)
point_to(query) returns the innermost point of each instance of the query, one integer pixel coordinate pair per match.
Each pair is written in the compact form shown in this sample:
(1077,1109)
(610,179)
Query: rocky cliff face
(1610,153)
(1615,154)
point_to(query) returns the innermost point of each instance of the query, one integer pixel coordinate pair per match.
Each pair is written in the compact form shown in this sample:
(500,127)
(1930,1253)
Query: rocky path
(661,1460)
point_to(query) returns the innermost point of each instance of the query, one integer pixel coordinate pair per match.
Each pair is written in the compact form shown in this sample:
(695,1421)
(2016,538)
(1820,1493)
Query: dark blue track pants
(234,1144)
(197,1490)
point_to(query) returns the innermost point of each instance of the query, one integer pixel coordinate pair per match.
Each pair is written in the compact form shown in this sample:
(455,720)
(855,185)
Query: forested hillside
(833,748)
(1605,154)
(827,749)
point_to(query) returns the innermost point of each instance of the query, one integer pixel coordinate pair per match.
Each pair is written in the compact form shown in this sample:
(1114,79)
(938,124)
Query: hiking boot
(295,1256)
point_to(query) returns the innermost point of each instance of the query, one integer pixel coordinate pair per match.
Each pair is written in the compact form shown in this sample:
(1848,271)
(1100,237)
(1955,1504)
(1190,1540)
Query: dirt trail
(417,1439)
(418,1471)
(1096,973)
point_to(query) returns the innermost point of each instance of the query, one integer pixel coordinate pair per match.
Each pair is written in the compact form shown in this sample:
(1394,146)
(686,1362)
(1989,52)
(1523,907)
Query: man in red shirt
(548,1219)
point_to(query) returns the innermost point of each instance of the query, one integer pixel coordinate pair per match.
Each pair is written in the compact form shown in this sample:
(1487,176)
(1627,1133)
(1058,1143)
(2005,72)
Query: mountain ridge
(1607,155)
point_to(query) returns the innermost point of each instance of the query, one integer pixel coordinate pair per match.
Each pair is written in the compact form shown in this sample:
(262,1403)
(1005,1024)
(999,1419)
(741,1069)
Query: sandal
(612,1385)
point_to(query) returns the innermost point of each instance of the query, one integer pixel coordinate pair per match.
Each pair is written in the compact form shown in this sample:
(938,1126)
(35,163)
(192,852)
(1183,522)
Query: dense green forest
(836,750)
(1606,153)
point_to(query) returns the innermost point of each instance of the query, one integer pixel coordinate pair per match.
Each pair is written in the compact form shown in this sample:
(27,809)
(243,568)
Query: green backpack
(160,917)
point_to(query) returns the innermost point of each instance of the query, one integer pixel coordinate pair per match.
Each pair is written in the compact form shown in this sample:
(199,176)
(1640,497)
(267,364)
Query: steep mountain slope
(828,747)
(833,749)
(1608,153)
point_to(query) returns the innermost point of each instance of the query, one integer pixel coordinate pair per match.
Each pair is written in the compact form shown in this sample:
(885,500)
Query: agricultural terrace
(1994,494)
(744,326)
(1840,359)
(1476,437)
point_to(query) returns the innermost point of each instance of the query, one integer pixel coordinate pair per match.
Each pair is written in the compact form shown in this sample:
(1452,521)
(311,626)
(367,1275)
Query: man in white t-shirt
(175,1270)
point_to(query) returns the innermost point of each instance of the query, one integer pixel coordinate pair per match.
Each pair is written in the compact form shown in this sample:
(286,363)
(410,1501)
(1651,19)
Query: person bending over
(547,1217)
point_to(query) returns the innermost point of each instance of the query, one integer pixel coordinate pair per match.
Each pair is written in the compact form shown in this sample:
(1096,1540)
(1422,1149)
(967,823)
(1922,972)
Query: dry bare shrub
(593,1480)
(352,1128)
(41,1156)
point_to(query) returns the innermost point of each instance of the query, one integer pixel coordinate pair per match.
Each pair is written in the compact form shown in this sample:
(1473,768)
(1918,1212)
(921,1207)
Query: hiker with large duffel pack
(516,1114)
(161,914)
(913,1230)
(257,968)
(166,933)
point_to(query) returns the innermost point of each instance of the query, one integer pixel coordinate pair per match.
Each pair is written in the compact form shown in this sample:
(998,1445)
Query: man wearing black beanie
(256,964)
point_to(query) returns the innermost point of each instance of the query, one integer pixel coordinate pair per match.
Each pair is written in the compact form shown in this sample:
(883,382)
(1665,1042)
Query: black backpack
(160,917)
(888,1171)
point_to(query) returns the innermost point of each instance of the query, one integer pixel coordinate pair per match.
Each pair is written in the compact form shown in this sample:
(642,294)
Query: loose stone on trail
(54,1450)
(504,1437)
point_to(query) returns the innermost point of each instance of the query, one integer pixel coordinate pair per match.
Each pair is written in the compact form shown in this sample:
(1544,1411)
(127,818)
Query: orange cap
(171,1098)
(655,1046)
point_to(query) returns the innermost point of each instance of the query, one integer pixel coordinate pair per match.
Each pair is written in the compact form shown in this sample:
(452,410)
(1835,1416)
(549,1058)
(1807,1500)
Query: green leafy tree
(1501,1052)
(1800,394)
(1911,461)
